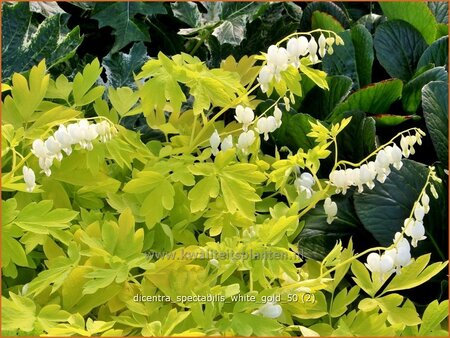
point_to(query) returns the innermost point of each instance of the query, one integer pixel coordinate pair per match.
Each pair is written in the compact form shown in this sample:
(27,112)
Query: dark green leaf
(374,99)
(293,131)
(363,44)
(440,10)
(371,21)
(25,45)
(360,128)
(399,46)
(383,209)
(318,237)
(436,54)
(412,91)
(320,103)
(325,21)
(187,12)
(415,13)
(389,120)
(325,7)
(342,61)
(121,17)
(120,67)
(435,111)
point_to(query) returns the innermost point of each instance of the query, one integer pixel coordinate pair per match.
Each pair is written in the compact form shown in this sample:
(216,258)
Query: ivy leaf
(47,9)
(435,111)
(187,12)
(121,17)
(399,47)
(121,67)
(24,45)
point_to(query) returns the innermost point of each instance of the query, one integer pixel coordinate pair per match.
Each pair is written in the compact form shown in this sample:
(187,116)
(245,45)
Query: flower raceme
(279,58)
(62,140)
(246,116)
(379,169)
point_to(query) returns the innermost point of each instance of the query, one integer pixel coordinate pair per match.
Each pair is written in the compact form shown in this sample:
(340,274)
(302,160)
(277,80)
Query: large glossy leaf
(360,128)
(440,10)
(383,209)
(325,21)
(120,67)
(293,131)
(121,17)
(412,91)
(399,46)
(371,21)
(318,237)
(416,13)
(373,99)
(24,45)
(325,7)
(436,54)
(363,44)
(320,103)
(435,111)
(353,59)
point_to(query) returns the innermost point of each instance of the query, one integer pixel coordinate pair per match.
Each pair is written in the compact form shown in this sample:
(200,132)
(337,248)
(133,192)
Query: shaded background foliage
(390,75)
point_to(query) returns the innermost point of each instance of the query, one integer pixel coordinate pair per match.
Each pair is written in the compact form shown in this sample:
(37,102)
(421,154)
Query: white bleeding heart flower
(269,310)
(266,125)
(214,142)
(245,140)
(29,177)
(64,139)
(330,208)
(244,116)
(383,264)
(54,148)
(278,115)
(312,48)
(425,202)
(227,143)
(322,45)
